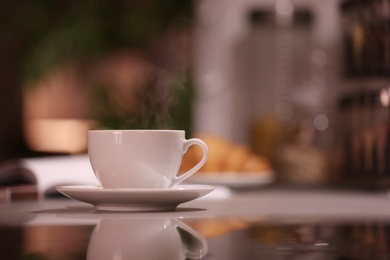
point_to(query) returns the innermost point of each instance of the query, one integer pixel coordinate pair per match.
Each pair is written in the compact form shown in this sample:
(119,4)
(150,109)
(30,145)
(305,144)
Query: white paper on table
(49,172)
(63,170)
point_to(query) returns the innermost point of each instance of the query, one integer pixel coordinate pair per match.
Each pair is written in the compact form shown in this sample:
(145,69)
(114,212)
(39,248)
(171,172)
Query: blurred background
(302,83)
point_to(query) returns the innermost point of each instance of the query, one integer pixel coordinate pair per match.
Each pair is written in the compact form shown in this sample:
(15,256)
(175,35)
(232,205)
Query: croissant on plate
(224,157)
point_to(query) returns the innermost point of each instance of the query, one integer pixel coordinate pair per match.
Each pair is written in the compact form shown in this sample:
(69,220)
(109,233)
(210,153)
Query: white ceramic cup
(143,238)
(140,158)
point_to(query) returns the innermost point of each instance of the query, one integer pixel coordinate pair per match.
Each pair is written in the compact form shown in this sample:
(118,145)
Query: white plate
(240,180)
(135,199)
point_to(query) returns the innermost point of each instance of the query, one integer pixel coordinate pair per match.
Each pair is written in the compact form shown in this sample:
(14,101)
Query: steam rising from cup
(131,93)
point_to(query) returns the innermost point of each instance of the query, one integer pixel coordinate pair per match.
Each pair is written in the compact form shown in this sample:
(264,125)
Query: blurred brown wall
(11,128)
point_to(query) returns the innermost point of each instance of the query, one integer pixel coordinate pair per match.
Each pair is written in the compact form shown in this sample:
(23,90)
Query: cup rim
(135,130)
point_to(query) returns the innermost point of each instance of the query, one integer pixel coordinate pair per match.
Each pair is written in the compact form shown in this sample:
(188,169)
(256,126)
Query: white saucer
(135,199)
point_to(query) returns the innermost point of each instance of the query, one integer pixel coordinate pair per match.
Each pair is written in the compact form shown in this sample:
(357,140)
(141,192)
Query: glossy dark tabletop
(270,223)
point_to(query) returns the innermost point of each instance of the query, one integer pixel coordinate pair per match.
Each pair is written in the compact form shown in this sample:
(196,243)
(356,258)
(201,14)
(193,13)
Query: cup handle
(195,245)
(187,144)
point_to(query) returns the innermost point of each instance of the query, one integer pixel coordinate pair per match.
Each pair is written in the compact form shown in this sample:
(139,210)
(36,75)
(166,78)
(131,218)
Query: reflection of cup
(140,158)
(160,238)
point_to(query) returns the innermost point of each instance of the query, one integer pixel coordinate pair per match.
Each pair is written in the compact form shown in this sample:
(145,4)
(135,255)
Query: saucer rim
(135,200)
(177,188)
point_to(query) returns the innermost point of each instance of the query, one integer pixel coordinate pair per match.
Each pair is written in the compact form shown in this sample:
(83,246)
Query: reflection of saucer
(135,199)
